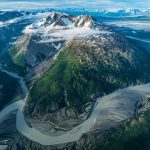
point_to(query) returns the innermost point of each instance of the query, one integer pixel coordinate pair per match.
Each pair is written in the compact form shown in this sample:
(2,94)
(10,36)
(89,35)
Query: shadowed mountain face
(8,89)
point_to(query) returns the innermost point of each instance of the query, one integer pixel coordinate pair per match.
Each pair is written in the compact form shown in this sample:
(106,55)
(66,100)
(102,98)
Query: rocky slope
(42,40)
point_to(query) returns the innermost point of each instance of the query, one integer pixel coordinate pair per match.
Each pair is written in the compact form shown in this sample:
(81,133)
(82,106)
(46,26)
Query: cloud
(136,25)
(29,4)
(26,5)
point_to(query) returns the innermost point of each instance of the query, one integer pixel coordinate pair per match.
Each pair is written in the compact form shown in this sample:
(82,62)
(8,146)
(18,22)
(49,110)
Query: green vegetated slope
(18,50)
(8,89)
(16,58)
(84,68)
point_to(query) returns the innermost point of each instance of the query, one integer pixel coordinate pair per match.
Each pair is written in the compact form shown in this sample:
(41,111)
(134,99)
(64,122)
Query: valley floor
(109,111)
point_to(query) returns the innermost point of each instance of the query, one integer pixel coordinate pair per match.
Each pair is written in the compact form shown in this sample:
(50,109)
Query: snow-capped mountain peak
(60,26)
(65,20)
(83,21)
(57,19)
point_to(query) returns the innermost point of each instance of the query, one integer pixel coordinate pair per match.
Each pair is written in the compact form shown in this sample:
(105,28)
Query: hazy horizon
(103,4)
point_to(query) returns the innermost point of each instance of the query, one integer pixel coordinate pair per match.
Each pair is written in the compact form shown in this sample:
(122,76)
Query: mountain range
(70,62)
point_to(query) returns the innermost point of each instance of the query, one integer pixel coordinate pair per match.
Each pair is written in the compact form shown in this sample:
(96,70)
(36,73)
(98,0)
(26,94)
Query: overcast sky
(102,4)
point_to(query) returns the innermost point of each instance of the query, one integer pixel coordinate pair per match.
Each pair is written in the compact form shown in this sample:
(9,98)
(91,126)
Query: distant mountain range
(111,12)
(6,15)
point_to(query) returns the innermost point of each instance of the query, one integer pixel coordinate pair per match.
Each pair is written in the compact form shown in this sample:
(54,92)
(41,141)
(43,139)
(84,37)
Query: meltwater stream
(115,107)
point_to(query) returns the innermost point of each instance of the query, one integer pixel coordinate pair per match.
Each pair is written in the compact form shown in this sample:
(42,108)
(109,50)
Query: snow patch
(1,23)
(5,23)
